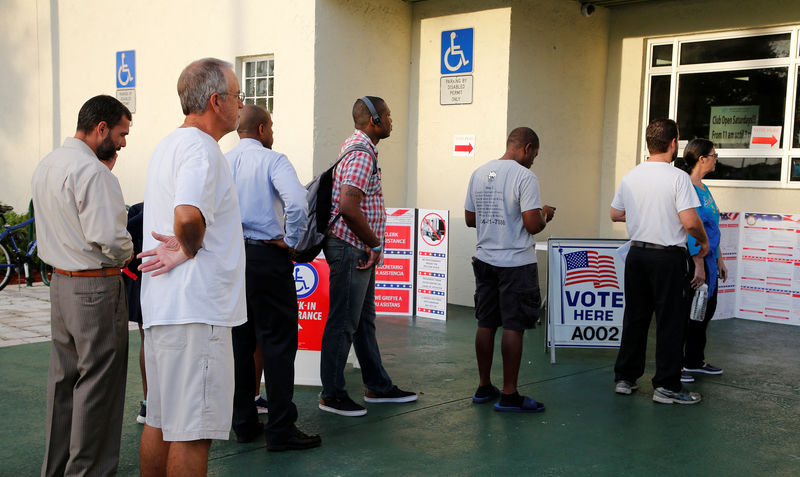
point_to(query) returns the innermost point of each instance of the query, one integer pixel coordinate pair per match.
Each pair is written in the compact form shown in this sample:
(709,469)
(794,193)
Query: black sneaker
(141,418)
(705,369)
(342,406)
(393,395)
(298,441)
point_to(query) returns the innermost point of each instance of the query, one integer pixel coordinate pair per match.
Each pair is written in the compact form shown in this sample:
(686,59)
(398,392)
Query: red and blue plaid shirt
(355,170)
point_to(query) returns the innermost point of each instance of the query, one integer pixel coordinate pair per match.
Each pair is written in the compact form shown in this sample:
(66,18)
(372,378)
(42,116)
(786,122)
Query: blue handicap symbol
(126,69)
(457,48)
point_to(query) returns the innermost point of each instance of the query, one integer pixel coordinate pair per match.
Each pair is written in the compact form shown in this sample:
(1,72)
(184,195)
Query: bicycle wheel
(6,267)
(46,271)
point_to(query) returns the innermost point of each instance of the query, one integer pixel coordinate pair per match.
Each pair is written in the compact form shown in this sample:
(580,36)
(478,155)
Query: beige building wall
(166,37)
(533,67)
(27,96)
(363,48)
(630,28)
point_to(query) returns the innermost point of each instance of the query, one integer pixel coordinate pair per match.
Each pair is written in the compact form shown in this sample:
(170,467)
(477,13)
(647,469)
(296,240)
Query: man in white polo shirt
(657,203)
(195,293)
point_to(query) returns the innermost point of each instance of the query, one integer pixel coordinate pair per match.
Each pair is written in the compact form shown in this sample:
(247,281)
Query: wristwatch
(377,249)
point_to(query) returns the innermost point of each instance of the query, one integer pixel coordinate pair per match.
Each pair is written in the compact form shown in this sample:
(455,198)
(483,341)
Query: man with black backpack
(268,190)
(353,248)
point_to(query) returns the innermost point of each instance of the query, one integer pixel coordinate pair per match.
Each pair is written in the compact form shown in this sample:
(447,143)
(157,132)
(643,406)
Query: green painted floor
(748,423)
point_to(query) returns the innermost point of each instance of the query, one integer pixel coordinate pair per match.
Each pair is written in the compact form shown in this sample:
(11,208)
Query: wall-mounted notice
(729,250)
(432,243)
(731,126)
(765,137)
(394,280)
(769,275)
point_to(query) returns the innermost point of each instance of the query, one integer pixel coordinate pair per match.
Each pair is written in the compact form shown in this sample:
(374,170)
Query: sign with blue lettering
(126,69)
(585,299)
(457,48)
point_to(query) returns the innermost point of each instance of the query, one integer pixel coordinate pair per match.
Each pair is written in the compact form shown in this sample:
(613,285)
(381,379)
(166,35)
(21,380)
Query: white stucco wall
(533,67)
(26,126)
(630,28)
(363,48)
(166,37)
(441,179)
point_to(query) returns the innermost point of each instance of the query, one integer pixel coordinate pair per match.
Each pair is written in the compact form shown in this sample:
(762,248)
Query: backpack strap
(357,147)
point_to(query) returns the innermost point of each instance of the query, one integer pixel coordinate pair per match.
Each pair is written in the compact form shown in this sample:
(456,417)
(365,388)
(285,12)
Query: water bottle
(698,312)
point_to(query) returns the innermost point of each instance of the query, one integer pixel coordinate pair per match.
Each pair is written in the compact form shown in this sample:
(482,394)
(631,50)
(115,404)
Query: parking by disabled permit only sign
(585,299)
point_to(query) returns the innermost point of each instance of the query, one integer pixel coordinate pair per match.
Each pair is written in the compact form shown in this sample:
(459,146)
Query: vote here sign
(585,297)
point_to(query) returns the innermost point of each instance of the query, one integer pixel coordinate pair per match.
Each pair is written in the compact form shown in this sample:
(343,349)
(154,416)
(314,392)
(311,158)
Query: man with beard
(658,204)
(81,231)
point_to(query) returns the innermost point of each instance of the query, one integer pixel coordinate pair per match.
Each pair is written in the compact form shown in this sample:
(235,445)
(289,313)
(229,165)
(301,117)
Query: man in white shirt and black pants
(657,202)
(268,189)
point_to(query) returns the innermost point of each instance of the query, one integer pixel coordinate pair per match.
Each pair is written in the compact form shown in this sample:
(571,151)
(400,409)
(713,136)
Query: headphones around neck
(375,118)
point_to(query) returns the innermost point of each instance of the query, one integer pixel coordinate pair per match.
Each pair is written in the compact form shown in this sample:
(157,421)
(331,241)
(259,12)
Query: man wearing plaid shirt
(353,248)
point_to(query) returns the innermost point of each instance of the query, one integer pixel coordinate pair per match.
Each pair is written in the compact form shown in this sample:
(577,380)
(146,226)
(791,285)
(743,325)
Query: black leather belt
(655,246)
(260,243)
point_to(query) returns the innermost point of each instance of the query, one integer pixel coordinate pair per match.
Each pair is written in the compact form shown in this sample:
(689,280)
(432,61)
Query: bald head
(520,137)
(255,123)
(361,113)
(250,117)
(522,146)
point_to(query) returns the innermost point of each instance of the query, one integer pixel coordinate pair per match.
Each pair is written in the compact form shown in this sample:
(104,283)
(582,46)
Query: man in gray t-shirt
(503,204)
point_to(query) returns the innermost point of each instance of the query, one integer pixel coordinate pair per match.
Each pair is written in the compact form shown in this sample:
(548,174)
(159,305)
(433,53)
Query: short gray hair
(199,81)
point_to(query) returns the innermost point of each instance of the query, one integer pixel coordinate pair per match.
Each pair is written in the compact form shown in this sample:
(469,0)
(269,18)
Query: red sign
(311,285)
(398,237)
(394,270)
(388,300)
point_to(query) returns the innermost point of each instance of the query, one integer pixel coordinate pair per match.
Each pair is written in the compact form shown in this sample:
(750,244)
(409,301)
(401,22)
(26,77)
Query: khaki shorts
(189,381)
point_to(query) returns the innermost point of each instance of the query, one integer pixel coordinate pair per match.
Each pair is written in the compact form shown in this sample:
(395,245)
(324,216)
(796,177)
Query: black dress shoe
(298,440)
(250,434)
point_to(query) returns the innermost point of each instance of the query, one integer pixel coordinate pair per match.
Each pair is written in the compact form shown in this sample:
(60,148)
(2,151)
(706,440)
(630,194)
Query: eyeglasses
(715,155)
(236,95)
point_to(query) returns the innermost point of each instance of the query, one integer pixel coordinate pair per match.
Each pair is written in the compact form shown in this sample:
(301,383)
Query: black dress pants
(272,323)
(655,281)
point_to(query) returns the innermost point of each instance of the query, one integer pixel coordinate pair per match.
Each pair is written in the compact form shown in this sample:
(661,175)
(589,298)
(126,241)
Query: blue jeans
(351,320)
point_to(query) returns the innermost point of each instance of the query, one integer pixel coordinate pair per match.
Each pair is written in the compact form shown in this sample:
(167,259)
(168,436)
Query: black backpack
(319,194)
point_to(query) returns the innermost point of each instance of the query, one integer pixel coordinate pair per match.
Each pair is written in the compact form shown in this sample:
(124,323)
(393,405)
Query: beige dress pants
(87,375)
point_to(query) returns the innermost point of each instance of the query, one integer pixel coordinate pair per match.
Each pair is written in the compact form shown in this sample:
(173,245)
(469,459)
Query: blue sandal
(528,405)
(489,397)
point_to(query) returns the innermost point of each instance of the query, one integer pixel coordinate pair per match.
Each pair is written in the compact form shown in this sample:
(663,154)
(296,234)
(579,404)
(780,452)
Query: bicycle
(16,258)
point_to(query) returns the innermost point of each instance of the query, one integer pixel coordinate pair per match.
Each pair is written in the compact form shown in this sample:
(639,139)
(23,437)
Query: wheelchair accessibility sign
(457,48)
(126,69)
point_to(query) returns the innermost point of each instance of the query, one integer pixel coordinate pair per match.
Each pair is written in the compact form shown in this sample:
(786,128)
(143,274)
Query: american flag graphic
(590,267)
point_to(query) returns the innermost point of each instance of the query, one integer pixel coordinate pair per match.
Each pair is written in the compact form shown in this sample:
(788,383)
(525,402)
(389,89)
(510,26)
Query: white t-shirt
(499,192)
(188,168)
(651,195)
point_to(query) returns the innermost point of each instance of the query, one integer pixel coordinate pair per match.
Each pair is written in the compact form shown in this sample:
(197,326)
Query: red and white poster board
(432,242)
(311,285)
(729,250)
(394,280)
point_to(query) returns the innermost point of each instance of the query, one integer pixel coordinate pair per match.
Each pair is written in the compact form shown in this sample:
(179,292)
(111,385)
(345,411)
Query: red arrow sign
(765,140)
(463,148)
